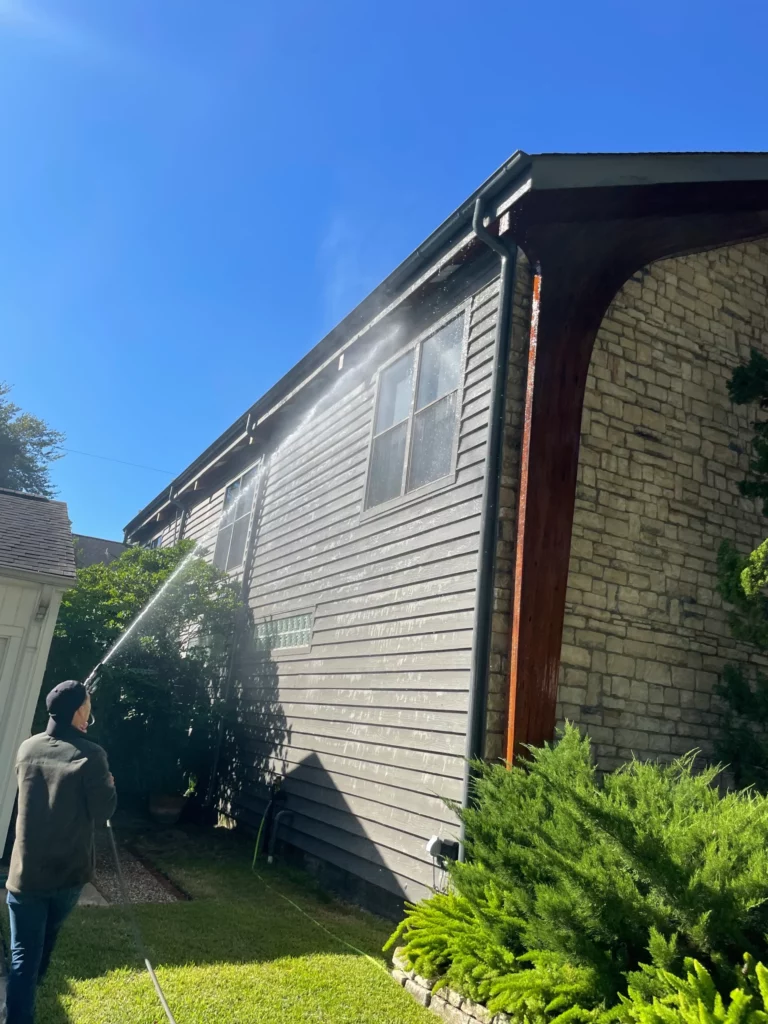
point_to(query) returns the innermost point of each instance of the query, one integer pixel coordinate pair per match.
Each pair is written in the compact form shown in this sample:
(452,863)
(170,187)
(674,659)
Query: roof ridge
(24,494)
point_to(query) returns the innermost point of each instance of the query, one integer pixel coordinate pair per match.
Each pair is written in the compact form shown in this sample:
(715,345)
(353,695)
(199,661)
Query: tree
(157,702)
(28,446)
(742,582)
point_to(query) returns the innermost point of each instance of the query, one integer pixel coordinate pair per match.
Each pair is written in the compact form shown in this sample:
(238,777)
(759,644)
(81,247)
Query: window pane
(231,493)
(395,390)
(237,547)
(222,547)
(245,498)
(230,504)
(440,363)
(386,474)
(244,503)
(432,446)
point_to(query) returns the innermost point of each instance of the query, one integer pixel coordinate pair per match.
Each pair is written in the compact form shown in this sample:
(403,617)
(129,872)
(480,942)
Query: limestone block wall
(663,450)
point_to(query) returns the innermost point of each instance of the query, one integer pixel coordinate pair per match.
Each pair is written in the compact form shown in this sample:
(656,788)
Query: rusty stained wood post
(567,308)
(580,266)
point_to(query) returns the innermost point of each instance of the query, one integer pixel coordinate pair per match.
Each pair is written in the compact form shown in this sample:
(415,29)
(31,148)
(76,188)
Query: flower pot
(165,808)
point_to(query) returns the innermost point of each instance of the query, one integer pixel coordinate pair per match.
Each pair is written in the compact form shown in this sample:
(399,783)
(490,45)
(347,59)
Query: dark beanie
(64,700)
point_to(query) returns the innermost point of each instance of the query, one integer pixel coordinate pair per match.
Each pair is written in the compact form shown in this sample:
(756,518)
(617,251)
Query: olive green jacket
(65,789)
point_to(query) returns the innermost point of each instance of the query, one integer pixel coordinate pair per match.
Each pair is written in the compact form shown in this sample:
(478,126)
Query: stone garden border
(453,1008)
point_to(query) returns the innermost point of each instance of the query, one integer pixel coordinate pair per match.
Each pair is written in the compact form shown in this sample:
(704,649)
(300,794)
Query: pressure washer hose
(131,915)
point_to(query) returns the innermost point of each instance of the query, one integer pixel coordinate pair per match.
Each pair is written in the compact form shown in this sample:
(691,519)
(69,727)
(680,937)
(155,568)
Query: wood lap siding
(373,713)
(203,520)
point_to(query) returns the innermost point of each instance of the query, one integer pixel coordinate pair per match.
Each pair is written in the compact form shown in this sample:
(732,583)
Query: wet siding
(203,519)
(367,724)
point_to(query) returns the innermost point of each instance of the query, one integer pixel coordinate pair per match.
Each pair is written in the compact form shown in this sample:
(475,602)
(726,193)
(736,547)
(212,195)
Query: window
(156,542)
(416,412)
(233,528)
(283,634)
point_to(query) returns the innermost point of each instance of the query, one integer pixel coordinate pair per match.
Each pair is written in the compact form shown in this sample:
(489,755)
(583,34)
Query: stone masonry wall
(663,450)
(498,681)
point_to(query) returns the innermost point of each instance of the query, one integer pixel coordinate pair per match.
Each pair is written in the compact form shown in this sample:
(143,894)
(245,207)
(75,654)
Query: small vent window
(283,634)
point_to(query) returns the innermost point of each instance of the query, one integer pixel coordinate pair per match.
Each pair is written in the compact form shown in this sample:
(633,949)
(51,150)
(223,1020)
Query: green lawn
(236,954)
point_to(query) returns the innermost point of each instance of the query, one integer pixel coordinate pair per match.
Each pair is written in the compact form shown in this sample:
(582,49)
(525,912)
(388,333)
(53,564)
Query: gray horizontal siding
(203,519)
(367,725)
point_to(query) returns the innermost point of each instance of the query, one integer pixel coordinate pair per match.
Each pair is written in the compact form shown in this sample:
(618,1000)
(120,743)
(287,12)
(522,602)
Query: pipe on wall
(181,518)
(481,632)
(241,625)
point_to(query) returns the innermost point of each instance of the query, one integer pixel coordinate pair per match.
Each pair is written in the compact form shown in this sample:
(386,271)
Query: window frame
(448,479)
(155,542)
(239,478)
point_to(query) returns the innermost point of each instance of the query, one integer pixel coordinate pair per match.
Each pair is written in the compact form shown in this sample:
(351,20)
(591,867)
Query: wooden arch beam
(579,269)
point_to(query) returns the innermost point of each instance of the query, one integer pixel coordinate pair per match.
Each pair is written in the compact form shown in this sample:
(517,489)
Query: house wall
(24,645)
(662,454)
(367,726)
(201,522)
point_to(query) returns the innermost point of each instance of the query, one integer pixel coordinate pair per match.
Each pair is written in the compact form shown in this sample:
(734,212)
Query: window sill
(411,498)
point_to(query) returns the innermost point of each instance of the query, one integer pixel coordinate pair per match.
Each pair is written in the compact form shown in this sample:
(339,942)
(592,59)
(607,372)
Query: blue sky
(192,194)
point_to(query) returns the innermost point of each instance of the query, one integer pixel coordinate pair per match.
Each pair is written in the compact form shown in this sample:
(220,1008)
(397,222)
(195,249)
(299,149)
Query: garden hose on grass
(131,914)
(303,912)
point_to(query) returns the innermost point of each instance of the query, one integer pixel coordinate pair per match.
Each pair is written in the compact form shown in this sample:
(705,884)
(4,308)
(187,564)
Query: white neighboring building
(37,564)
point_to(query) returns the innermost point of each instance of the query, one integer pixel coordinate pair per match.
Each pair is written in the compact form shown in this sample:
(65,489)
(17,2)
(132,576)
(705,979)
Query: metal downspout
(181,518)
(481,633)
(240,626)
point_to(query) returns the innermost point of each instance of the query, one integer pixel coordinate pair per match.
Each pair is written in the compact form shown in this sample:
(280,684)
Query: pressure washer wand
(142,950)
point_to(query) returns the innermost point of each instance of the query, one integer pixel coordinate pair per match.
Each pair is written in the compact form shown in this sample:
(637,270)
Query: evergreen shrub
(573,882)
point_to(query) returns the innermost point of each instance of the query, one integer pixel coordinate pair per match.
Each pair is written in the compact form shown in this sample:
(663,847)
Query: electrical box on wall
(443,849)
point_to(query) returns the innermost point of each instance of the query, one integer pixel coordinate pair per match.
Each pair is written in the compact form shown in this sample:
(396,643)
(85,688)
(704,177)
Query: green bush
(156,703)
(695,999)
(571,884)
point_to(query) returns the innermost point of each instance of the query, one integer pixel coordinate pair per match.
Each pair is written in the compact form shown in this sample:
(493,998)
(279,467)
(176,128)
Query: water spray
(142,614)
(91,681)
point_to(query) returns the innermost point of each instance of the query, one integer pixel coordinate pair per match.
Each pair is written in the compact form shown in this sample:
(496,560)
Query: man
(65,787)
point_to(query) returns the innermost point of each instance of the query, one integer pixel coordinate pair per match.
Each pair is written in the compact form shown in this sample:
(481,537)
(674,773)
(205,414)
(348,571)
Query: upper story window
(156,542)
(233,528)
(417,407)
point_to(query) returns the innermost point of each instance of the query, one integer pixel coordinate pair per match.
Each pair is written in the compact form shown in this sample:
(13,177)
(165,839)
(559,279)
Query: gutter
(483,617)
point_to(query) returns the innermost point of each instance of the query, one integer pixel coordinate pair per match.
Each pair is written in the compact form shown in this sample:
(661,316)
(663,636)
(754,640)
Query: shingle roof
(35,535)
(90,550)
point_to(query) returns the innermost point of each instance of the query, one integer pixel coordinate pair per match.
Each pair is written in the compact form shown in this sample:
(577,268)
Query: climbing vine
(743,583)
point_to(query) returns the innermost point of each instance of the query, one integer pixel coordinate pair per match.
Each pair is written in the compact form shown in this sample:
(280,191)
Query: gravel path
(141,884)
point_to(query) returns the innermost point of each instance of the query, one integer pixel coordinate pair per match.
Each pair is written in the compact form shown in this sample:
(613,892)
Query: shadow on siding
(320,833)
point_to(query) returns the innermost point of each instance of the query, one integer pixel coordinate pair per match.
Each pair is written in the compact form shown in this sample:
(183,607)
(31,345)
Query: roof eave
(554,172)
(61,582)
(347,328)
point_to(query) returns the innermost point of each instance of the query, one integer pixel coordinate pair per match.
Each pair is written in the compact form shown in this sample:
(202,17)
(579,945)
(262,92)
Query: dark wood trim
(580,268)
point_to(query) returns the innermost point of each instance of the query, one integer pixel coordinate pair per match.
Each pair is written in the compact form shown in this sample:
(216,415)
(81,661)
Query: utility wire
(122,462)
(92,455)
